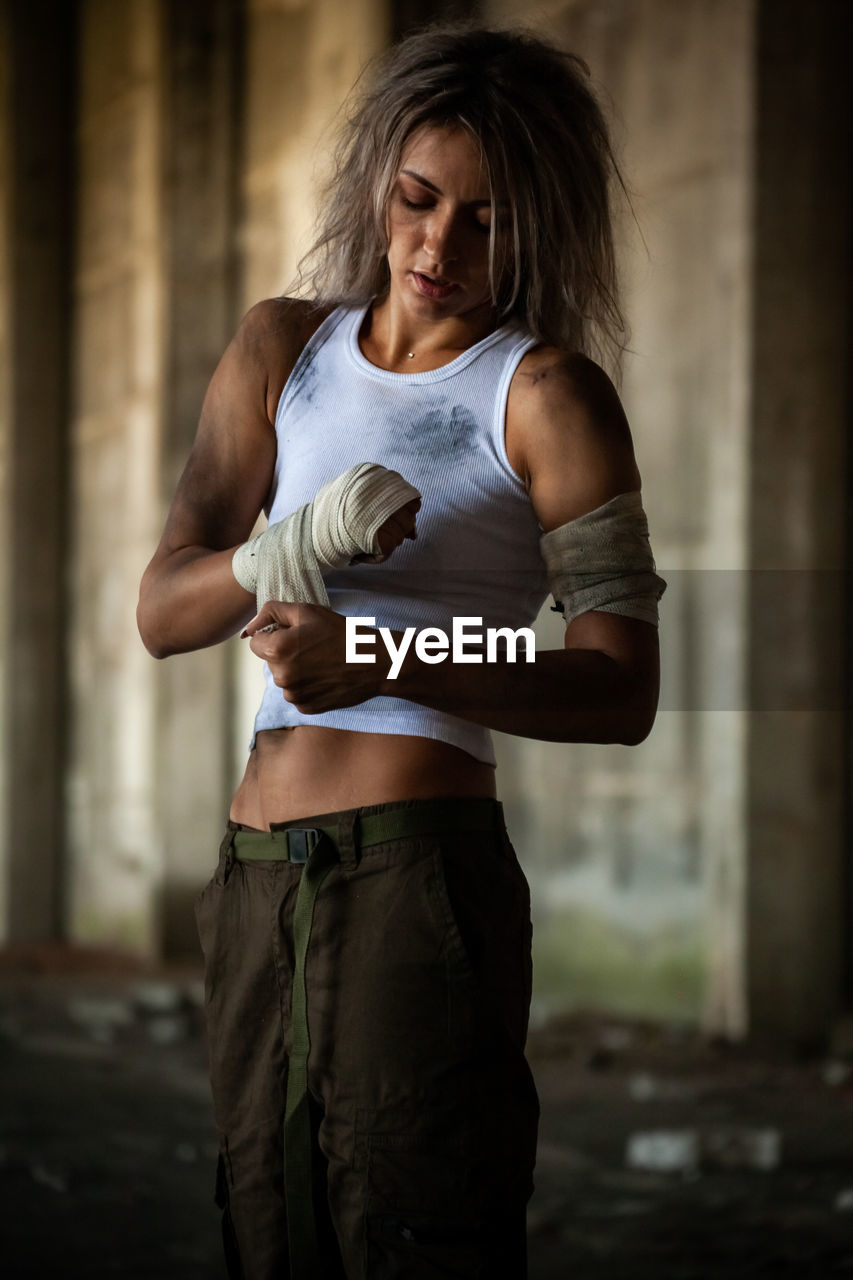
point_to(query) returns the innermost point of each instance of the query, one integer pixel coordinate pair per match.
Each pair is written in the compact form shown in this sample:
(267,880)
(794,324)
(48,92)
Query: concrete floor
(107,1148)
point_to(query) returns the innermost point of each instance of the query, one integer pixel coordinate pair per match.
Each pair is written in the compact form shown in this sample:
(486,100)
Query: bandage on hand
(395,530)
(363,514)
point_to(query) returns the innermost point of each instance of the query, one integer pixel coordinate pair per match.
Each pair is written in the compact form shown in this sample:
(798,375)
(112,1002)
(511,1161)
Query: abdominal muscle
(298,772)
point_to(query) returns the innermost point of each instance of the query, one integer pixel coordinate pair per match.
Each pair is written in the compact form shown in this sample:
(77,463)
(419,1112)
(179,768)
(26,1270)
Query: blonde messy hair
(548,157)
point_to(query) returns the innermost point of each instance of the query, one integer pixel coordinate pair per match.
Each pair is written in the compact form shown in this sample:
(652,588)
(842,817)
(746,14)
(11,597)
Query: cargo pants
(419,1105)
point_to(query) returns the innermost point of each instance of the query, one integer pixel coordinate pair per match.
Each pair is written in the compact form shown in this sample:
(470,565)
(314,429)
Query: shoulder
(567,435)
(270,339)
(278,328)
(563,396)
(281,321)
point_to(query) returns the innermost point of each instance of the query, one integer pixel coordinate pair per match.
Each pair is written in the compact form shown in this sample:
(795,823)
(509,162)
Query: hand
(396,529)
(304,646)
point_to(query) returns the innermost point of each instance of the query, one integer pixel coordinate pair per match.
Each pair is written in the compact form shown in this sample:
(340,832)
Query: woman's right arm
(189,597)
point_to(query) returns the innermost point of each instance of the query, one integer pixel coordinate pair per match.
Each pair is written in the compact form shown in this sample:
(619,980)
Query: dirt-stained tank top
(477,549)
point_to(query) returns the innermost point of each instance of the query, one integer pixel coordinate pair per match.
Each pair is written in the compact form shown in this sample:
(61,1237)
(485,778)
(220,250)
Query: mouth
(433,286)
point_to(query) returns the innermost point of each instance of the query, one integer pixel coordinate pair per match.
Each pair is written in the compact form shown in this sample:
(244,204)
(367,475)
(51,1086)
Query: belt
(317,848)
(430,818)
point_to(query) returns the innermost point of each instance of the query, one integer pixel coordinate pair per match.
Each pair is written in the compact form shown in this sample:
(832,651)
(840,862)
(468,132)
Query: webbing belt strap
(294,844)
(298,1145)
(317,848)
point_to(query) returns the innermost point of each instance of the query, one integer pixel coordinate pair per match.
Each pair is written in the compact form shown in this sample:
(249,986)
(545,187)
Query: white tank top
(477,547)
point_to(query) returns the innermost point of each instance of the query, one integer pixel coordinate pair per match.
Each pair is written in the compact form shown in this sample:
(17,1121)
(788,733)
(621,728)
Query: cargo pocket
(419,1222)
(454,945)
(229,1239)
(487,918)
(211,894)
(420,1247)
(201,909)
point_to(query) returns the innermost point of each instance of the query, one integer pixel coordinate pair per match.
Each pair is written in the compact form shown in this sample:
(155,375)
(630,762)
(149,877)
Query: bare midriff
(296,773)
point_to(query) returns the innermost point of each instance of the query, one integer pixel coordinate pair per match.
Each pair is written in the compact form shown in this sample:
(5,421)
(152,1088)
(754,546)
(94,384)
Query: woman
(366,934)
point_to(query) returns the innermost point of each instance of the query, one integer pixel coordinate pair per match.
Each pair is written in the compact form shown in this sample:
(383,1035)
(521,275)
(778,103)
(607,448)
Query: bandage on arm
(603,561)
(287,560)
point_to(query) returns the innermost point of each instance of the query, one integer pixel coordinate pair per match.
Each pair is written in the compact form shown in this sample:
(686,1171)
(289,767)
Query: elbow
(153,615)
(635,732)
(153,646)
(157,651)
(149,633)
(636,725)
(639,700)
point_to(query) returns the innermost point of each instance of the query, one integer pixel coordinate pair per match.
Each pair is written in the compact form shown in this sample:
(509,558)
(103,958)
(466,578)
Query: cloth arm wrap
(603,561)
(287,560)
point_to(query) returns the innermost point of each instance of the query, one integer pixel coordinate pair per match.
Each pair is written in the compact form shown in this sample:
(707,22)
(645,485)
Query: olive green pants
(410,974)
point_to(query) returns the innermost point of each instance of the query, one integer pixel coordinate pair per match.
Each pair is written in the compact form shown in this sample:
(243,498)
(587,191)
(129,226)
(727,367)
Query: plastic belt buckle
(300,842)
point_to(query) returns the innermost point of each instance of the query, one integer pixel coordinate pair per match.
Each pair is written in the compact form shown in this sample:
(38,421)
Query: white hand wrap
(603,561)
(285,562)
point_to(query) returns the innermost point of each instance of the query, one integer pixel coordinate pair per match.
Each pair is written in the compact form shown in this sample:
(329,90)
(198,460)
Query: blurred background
(158,163)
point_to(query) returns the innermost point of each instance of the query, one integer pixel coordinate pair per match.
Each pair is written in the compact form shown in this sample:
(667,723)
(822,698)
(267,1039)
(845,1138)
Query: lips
(433,286)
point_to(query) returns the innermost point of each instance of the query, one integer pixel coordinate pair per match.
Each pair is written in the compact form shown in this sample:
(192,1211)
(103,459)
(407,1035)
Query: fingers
(395,530)
(398,527)
(413,507)
(279,650)
(306,656)
(408,513)
(403,520)
(271,616)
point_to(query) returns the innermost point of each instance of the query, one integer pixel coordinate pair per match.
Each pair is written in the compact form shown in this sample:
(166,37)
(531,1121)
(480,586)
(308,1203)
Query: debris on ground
(663,1154)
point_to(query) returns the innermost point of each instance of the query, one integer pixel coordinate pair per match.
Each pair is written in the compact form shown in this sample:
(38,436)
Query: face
(439,217)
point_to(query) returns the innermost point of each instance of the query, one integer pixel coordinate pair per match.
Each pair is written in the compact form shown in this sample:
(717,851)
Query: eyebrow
(425,182)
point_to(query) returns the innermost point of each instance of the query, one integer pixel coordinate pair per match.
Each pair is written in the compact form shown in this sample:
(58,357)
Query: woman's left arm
(569,441)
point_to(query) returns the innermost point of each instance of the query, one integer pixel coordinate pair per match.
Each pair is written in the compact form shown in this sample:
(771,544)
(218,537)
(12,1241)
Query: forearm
(190,599)
(571,695)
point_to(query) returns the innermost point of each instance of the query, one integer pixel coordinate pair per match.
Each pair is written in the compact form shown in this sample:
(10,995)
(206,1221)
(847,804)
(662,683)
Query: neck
(394,339)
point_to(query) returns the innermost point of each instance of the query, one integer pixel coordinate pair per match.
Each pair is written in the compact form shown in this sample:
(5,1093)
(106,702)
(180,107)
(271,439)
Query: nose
(440,239)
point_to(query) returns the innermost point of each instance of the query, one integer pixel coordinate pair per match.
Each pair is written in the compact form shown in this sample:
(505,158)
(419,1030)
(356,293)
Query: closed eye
(408,203)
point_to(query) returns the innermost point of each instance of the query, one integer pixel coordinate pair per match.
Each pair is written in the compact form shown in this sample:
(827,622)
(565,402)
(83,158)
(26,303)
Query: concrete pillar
(36,84)
(303,57)
(798,519)
(156,286)
(202,102)
(116,854)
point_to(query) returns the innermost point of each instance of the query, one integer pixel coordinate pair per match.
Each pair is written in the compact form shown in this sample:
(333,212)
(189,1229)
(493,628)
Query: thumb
(271,616)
